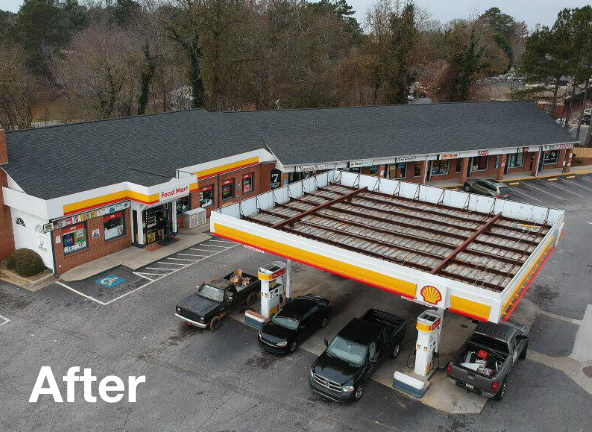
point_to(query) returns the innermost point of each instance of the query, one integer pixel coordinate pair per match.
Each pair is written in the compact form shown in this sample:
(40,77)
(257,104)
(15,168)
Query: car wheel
(502,391)
(293,346)
(215,323)
(396,351)
(250,299)
(324,322)
(359,392)
(524,351)
(467,188)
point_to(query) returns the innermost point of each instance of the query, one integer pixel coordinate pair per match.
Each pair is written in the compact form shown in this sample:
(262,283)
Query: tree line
(125,57)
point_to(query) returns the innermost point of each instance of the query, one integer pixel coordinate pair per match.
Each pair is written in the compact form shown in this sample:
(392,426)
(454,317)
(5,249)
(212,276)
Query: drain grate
(588,371)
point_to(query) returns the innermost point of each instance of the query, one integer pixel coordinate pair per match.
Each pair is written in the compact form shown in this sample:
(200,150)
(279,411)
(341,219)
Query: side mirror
(326,342)
(521,337)
(373,359)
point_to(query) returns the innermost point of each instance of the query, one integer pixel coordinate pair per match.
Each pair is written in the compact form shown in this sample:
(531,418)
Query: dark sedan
(297,320)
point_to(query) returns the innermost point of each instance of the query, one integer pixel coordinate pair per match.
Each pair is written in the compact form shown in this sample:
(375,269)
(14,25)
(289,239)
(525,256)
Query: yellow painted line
(570,177)
(552,179)
(469,308)
(227,167)
(369,277)
(514,184)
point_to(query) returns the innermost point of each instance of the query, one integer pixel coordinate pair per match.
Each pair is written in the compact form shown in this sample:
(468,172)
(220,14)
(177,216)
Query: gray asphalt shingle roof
(61,160)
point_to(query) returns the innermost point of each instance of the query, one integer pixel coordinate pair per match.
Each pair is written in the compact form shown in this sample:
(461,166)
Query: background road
(202,380)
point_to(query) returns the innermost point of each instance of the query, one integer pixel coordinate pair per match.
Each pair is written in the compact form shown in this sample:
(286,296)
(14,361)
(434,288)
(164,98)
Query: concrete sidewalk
(135,257)
(523,176)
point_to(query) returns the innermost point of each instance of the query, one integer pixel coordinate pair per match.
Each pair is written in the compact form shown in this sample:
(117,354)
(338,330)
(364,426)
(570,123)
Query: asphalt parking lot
(202,380)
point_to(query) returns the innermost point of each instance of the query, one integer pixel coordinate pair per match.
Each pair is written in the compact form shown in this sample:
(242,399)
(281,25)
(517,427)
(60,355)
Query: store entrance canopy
(471,254)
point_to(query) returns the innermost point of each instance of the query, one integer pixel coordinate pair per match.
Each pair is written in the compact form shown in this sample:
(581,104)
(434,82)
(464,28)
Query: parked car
(341,372)
(215,298)
(483,363)
(294,322)
(488,187)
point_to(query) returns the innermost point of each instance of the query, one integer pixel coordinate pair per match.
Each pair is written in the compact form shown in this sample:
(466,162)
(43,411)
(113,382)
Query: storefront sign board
(71,220)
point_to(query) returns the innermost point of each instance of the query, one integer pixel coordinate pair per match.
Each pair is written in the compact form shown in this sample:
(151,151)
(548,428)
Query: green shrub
(25,262)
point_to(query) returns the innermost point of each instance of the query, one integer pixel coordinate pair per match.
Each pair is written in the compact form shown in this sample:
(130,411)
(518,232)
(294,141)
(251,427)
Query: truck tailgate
(471,379)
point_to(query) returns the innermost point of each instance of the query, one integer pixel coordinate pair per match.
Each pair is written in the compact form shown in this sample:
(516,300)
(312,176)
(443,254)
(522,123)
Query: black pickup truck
(215,298)
(483,363)
(358,350)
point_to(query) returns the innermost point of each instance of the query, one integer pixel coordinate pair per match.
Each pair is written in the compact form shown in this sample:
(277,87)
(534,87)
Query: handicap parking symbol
(111,281)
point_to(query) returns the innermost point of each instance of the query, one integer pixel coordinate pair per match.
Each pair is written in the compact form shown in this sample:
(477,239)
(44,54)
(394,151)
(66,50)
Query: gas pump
(429,327)
(273,293)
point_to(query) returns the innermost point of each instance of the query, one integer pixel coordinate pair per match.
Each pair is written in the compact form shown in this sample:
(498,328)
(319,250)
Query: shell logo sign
(431,294)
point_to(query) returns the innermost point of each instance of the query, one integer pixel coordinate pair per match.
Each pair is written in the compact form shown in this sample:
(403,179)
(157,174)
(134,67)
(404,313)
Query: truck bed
(493,364)
(391,323)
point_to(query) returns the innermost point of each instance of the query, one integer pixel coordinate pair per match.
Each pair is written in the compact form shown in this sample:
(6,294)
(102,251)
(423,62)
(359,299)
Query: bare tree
(17,89)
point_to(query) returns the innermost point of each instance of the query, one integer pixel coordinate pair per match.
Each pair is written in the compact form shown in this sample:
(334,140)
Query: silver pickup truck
(483,363)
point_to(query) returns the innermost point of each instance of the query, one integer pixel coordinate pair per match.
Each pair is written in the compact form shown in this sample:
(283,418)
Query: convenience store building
(78,192)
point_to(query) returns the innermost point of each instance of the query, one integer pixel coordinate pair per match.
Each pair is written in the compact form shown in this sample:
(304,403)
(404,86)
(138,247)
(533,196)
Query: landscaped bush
(25,262)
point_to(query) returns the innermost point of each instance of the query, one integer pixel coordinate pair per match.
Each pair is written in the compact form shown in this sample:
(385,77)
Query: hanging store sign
(309,168)
(72,220)
(557,147)
(446,156)
(483,152)
(276,178)
(359,164)
(409,159)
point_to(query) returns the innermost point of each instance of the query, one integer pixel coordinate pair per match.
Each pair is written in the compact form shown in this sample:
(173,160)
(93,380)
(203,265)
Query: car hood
(276,333)
(198,305)
(336,370)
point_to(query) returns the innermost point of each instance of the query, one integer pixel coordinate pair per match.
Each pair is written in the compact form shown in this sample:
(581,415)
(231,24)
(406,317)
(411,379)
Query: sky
(533,12)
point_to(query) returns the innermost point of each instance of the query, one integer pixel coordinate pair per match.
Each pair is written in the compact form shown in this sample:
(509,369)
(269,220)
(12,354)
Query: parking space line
(193,255)
(567,190)
(160,269)
(223,247)
(182,259)
(201,250)
(143,276)
(6,320)
(577,184)
(220,241)
(167,263)
(544,191)
(81,294)
(526,195)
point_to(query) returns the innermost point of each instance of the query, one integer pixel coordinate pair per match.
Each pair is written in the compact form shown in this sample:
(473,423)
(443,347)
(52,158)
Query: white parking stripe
(210,245)
(193,255)
(544,191)
(167,263)
(159,269)
(220,241)
(201,250)
(526,195)
(181,259)
(566,190)
(6,320)
(81,294)
(577,184)
(143,276)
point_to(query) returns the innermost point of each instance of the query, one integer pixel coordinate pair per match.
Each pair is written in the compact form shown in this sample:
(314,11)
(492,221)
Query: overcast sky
(532,11)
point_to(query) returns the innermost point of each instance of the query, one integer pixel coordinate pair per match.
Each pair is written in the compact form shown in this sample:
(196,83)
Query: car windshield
(504,190)
(348,351)
(284,320)
(210,292)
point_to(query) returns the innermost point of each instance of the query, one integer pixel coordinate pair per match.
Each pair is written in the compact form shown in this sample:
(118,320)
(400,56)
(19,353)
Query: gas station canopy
(472,254)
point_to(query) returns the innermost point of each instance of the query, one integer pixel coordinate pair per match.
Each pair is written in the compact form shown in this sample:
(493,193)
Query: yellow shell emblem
(431,294)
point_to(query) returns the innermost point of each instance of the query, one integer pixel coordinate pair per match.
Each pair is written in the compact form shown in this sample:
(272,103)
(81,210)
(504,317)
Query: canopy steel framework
(480,261)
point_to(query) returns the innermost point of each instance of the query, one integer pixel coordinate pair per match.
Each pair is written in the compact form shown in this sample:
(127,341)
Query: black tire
(359,392)
(502,391)
(215,323)
(324,321)
(293,346)
(523,352)
(396,351)
(250,299)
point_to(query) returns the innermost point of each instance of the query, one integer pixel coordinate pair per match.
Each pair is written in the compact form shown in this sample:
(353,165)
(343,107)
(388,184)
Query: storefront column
(502,167)
(140,239)
(536,157)
(424,172)
(174,203)
(567,161)
(464,171)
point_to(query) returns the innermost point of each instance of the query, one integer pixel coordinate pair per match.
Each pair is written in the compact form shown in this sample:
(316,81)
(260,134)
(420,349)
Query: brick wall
(6,235)
(262,184)
(97,248)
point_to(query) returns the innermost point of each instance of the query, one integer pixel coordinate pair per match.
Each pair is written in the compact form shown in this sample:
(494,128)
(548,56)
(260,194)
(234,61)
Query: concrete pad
(132,257)
(582,350)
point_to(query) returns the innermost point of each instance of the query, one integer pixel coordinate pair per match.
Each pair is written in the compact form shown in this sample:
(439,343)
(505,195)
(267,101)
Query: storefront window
(480,163)
(182,205)
(551,157)
(114,225)
(417,169)
(374,170)
(74,238)
(206,196)
(397,171)
(516,160)
(440,167)
(248,183)
(228,189)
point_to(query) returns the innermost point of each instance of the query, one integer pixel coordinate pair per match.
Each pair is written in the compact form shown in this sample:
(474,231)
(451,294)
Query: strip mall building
(77,192)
